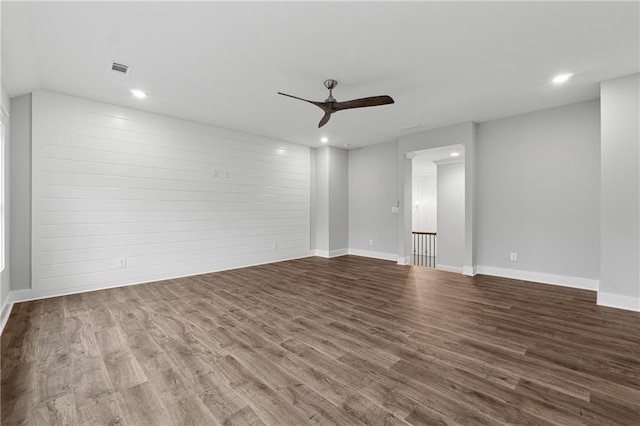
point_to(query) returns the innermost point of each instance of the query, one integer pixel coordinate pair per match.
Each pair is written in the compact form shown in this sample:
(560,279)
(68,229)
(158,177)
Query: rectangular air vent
(120,68)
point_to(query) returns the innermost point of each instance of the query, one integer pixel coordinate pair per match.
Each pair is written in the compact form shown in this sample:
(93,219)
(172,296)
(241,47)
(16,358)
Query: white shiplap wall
(112,182)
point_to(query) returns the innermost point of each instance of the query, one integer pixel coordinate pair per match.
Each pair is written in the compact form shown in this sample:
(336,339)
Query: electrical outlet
(275,245)
(370,242)
(215,173)
(514,257)
(227,175)
(122,262)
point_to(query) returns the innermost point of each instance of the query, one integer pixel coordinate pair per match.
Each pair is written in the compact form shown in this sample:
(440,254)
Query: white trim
(423,174)
(6,311)
(469,271)
(448,268)
(618,301)
(33,294)
(540,277)
(333,253)
(339,252)
(454,160)
(3,192)
(374,254)
(404,260)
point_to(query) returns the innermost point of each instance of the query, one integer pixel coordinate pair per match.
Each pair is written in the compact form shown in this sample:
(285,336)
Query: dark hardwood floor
(345,341)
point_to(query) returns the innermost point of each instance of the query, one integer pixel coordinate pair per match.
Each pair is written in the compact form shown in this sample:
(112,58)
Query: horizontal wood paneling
(111,182)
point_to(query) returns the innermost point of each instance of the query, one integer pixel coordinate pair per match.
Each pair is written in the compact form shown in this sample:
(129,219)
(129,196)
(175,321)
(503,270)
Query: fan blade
(322,105)
(325,119)
(363,102)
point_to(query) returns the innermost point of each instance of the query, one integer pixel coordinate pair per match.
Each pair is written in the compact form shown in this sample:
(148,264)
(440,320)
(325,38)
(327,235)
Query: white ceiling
(223,62)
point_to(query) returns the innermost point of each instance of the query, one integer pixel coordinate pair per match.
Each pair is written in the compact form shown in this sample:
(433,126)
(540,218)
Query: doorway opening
(438,210)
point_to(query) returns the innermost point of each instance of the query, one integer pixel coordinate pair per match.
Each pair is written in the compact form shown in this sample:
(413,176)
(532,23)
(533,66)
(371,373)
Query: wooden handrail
(424,233)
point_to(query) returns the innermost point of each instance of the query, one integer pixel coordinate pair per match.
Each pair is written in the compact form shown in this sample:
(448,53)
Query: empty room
(299,213)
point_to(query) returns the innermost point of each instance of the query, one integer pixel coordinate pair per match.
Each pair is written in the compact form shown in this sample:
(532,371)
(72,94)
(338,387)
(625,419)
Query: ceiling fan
(330,105)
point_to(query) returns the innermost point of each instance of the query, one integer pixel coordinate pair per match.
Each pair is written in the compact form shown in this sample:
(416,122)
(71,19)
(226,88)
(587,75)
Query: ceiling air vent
(120,68)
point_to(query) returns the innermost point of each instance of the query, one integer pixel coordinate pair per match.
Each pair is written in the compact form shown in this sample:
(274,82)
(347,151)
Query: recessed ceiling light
(138,93)
(561,78)
(324,139)
(455,154)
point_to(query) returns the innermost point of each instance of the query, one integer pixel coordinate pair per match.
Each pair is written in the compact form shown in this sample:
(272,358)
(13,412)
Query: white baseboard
(374,254)
(604,299)
(404,260)
(27,295)
(7,306)
(539,277)
(469,271)
(448,268)
(333,253)
(618,301)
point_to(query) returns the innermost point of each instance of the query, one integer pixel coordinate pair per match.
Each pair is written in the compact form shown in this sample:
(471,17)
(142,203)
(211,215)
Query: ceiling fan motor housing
(330,84)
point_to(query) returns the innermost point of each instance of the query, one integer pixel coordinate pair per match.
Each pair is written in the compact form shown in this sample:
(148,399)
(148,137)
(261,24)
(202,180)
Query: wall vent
(120,68)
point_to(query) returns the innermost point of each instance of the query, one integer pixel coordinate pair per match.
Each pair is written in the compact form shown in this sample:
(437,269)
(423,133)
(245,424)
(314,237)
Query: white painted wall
(338,200)
(5,274)
(112,182)
(373,190)
(451,219)
(331,202)
(5,97)
(20,206)
(620,192)
(424,203)
(321,189)
(313,208)
(104,175)
(538,179)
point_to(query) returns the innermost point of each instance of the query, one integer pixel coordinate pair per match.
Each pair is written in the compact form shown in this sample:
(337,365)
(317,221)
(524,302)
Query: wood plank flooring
(347,341)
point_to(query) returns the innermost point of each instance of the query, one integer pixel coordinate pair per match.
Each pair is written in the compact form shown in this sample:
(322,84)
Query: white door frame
(463,134)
